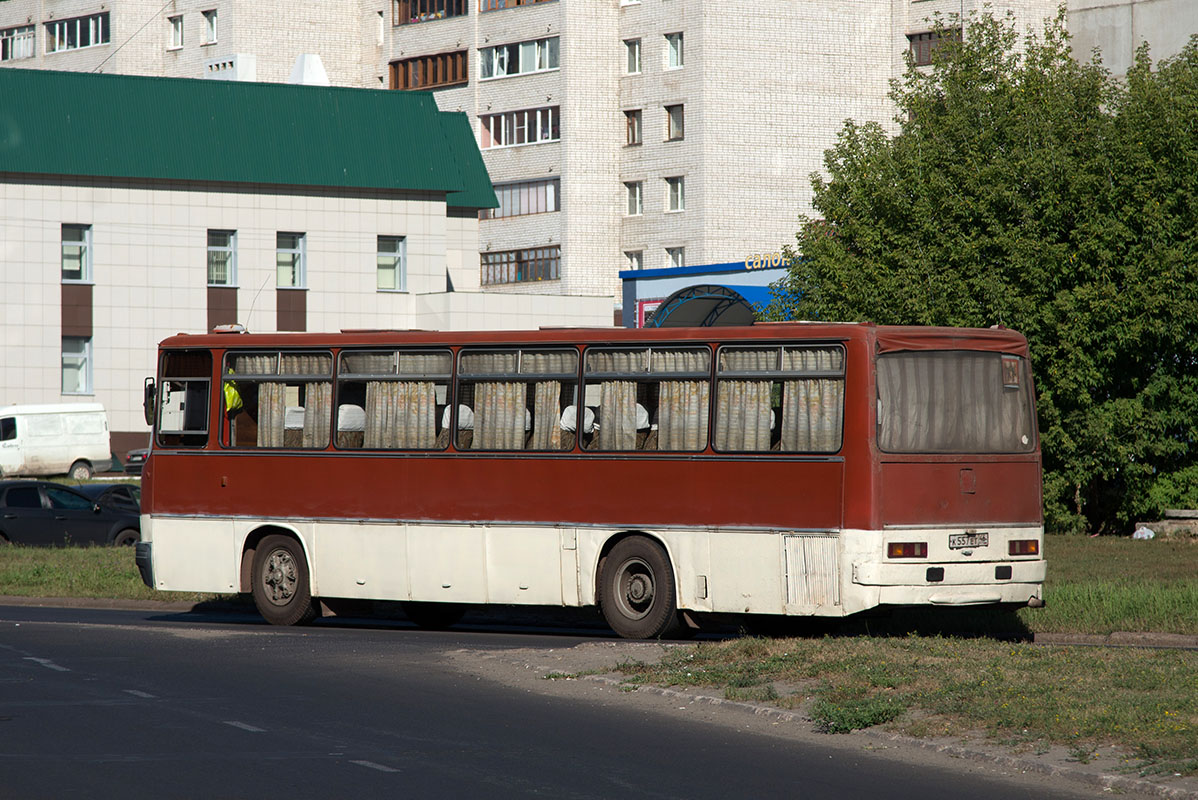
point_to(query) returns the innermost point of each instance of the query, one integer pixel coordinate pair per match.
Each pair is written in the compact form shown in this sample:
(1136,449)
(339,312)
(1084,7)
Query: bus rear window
(954,401)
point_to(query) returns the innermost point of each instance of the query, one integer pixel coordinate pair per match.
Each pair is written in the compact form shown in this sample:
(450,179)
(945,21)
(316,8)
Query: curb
(1103,781)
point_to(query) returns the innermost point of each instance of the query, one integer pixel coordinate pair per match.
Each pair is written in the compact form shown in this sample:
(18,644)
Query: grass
(1144,702)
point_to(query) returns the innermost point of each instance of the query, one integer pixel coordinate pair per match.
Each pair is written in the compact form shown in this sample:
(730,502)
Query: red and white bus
(784,468)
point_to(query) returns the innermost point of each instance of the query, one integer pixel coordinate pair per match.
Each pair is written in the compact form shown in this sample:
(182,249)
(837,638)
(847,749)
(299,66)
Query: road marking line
(47,663)
(137,693)
(372,765)
(244,726)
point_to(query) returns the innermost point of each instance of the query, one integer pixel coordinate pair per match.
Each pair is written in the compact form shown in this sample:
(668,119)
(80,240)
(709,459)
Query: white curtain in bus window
(280,403)
(398,391)
(617,416)
(813,407)
(955,401)
(682,404)
(499,415)
(546,416)
(401,415)
(744,419)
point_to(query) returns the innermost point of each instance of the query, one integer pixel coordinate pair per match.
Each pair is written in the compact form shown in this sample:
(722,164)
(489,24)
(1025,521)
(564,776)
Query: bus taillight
(907,550)
(1024,547)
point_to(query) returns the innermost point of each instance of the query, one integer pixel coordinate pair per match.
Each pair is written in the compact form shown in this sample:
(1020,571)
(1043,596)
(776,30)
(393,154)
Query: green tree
(1026,189)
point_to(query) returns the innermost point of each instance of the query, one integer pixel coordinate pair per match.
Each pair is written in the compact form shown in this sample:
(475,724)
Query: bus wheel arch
(279,577)
(636,588)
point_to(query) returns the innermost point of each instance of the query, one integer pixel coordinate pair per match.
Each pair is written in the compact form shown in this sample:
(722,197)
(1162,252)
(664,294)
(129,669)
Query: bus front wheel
(281,588)
(636,590)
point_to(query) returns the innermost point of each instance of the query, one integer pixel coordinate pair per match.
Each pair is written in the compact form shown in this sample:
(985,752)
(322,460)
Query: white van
(64,439)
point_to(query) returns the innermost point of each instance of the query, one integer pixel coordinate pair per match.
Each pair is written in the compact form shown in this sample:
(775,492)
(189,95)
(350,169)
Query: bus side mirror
(148,401)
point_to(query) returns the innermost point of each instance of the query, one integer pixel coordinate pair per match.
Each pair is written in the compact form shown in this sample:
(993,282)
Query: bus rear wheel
(281,589)
(636,590)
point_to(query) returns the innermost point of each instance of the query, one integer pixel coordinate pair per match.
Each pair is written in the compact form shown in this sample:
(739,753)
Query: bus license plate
(959,541)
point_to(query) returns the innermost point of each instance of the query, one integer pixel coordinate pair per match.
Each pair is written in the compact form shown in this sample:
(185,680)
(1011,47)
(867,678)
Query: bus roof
(885,337)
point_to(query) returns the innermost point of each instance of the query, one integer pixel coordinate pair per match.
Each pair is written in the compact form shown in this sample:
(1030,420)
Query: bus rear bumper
(953,584)
(144,565)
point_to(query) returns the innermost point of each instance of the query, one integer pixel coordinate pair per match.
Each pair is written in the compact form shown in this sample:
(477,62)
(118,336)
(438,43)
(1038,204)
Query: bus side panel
(193,555)
(961,492)
(363,561)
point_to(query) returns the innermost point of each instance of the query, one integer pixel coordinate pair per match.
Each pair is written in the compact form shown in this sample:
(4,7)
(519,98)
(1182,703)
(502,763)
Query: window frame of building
(63,35)
(513,128)
(675,257)
(18,42)
(82,248)
(211,30)
(675,56)
(298,256)
(225,245)
(519,58)
(79,361)
(634,193)
(526,265)
(632,50)
(408,12)
(922,45)
(632,127)
(433,71)
(675,193)
(635,259)
(175,39)
(675,123)
(521,198)
(391,257)
(498,5)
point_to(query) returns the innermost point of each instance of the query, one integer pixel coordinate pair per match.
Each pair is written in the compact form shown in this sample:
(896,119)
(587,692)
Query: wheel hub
(280,577)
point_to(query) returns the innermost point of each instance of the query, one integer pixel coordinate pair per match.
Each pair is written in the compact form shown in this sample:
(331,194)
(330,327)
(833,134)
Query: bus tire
(434,616)
(281,588)
(636,590)
(126,538)
(80,471)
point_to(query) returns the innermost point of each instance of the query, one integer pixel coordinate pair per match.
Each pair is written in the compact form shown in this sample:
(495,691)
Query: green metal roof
(126,126)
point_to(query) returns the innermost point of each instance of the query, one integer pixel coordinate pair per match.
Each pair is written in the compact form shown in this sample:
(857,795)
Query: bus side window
(782,398)
(278,399)
(389,399)
(518,397)
(650,398)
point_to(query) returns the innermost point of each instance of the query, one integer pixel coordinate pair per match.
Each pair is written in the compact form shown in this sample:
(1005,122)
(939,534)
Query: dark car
(136,459)
(120,496)
(45,513)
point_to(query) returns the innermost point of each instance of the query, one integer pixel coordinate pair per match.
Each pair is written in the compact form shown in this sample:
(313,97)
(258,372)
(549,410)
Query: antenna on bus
(250,314)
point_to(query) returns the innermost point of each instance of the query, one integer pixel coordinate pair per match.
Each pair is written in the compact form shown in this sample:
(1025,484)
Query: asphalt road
(129,704)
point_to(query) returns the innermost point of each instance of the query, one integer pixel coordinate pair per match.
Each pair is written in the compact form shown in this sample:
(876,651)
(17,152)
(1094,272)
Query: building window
(222,258)
(635,259)
(633,189)
(924,44)
(633,49)
(525,197)
(676,193)
(290,260)
(522,266)
(77,33)
(209,27)
(674,50)
(676,256)
(405,12)
(16,43)
(430,72)
(674,127)
(392,272)
(538,55)
(528,126)
(632,119)
(176,26)
(76,365)
(77,253)
(496,5)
